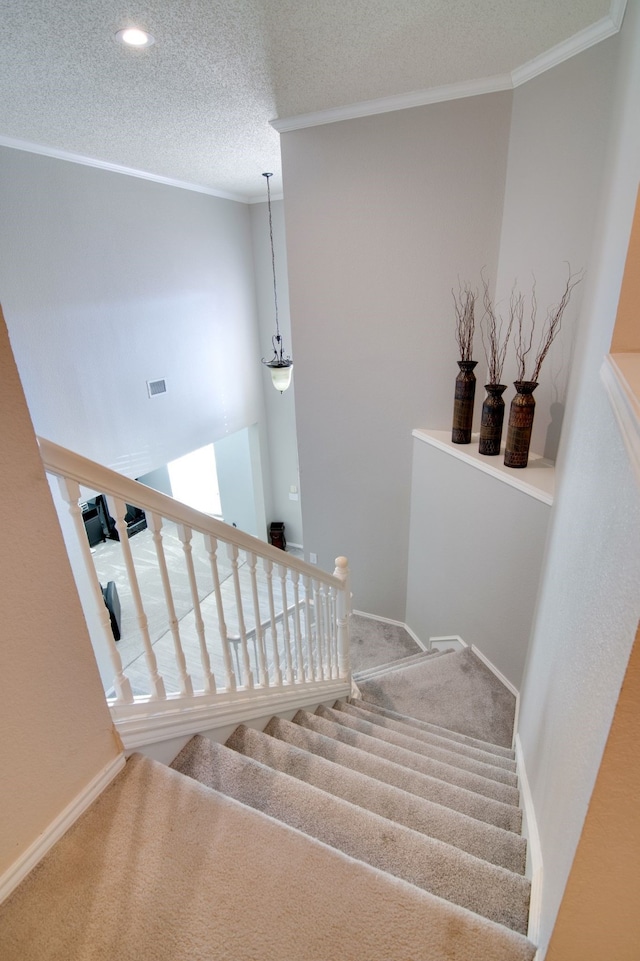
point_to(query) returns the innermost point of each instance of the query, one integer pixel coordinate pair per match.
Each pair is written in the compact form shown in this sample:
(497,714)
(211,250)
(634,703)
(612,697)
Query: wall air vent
(156,387)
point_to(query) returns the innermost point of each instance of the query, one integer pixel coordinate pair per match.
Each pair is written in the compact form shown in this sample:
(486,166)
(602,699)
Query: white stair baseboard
(388,620)
(534,871)
(59,826)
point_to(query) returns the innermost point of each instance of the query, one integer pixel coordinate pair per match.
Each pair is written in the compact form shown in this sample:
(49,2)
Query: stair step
(490,771)
(209,877)
(416,762)
(436,867)
(397,664)
(460,799)
(483,840)
(458,691)
(434,728)
(351,707)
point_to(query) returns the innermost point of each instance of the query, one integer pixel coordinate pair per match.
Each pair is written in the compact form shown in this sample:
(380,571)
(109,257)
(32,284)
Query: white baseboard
(534,870)
(388,620)
(494,670)
(36,851)
(446,640)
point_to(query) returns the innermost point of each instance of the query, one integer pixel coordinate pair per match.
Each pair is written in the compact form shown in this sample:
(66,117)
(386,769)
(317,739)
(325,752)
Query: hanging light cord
(273,258)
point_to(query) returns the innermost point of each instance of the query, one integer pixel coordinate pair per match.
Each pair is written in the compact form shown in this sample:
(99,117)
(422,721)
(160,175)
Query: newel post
(343,613)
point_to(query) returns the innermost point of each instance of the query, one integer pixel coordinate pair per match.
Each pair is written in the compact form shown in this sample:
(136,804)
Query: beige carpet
(162,868)
(375,642)
(456,691)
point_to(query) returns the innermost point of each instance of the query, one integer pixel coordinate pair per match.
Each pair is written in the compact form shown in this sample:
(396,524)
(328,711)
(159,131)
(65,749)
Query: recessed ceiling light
(135,37)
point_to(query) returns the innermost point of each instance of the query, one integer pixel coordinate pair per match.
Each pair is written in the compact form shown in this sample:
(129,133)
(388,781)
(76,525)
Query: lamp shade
(281,375)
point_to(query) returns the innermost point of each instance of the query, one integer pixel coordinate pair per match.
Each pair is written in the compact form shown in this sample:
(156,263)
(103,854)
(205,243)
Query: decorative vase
(463,402)
(492,420)
(523,408)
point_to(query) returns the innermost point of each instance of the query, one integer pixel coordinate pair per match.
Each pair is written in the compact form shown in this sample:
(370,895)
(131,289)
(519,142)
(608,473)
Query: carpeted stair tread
(457,691)
(161,868)
(353,708)
(477,806)
(426,749)
(488,746)
(483,840)
(442,869)
(417,762)
(397,664)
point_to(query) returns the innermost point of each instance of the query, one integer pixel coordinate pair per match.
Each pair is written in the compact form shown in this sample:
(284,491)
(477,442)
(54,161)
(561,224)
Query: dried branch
(521,343)
(464,303)
(494,344)
(554,321)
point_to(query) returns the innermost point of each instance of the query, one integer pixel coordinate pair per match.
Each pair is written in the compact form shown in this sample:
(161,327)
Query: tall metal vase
(523,407)
(463,402)
(492,420)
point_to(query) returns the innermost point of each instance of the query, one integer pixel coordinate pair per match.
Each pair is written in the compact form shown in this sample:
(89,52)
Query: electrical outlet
(313,558)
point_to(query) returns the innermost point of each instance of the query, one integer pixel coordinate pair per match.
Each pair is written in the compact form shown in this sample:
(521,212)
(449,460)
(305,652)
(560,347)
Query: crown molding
(580,41)
(57,154)
(604,28)
(418,98)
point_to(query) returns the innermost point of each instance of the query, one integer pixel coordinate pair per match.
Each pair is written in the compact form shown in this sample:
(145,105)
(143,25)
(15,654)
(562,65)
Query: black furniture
(100,525)
(276,535)
(111,599)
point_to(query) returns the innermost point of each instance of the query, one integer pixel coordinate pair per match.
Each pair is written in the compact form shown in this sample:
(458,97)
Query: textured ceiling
(195,107)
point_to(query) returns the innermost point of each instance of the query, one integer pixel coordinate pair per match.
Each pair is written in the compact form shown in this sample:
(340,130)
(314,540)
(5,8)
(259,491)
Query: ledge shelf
(620,374)
(537,479)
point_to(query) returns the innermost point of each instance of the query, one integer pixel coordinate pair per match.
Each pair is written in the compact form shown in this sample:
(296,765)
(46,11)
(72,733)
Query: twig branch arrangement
(523,341)
(495,346)
(465,303)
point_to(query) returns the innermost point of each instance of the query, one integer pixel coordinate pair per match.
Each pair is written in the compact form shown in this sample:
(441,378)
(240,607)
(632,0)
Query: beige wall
(626,336)
(56,729)
(599,916)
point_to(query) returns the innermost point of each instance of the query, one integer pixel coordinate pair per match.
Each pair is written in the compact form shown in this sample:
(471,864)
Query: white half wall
(383,215)
(475,556)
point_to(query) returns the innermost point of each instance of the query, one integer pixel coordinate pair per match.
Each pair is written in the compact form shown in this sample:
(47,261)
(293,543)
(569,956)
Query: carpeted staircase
(353,832)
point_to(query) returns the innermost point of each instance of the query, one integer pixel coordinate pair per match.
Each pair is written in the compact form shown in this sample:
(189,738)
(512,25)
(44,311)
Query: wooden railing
(266,621)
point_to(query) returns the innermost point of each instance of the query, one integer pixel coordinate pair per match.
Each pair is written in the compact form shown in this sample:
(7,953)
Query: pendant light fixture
(281,367)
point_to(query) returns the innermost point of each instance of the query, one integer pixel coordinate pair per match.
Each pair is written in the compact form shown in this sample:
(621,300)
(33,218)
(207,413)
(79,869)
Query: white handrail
(65,463)
(302,645)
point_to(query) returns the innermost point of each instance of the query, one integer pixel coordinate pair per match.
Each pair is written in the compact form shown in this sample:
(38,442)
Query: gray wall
(108,281)
(589,603)
(475,554)
(279,408)
(382,213)
(556,151)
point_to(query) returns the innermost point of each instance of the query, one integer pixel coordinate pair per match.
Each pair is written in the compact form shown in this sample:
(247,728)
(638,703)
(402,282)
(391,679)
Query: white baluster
(285,623)
(154,523)
(232,553)
(70,491)
(297,629)
(277,672)
(258,637)
(184,535)
(333,638)
(211,546)
(326,617)
(312,671)
(343,613)
(317,606)
(157,684)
